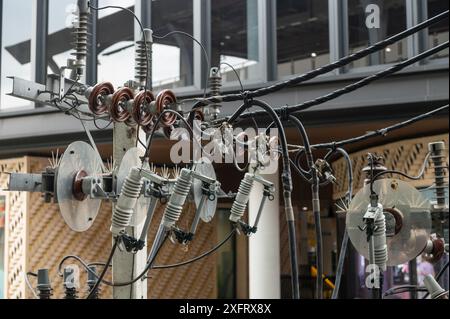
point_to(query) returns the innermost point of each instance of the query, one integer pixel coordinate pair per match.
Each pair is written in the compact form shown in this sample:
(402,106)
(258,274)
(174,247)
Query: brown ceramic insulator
(163,100)
(149,127)
(77,186)
(96,106)
(199,116)
(140,115)
(397,216)
(437,252)
(118,113)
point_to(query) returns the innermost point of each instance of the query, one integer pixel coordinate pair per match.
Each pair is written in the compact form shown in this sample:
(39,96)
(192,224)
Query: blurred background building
(265,41)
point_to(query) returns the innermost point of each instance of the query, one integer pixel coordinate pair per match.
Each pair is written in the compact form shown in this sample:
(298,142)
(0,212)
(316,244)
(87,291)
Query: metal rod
(197,214)
(148,220)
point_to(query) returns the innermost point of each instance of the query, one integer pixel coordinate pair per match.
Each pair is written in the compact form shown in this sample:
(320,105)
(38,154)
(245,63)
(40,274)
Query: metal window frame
(266,37)
(338,32)
(144,11)
(38,51)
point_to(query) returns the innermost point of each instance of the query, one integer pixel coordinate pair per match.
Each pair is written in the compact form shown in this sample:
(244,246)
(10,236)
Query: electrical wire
(354,86)
(209,252)
(344,244)
(27,281)
(286,179)
(438,276)
(419,176)
(205,53)
(236,73)
(402,289)
(315,203)
(141,26)
(105,269)
(330,67)
(381,132)
(184,263)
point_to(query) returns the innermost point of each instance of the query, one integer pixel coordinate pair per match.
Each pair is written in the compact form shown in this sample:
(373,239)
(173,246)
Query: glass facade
(235,39)
(302,36)
(15,48)
(174,53)
(115,43)
(237,34)
(61,16)
(438,33)
(372,21)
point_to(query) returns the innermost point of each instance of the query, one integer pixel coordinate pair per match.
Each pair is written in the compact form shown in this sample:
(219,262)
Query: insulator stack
(379,238)
(178,198)
(123,212)
(43,284)
(215,85)
(437,151)
(242,197)
(81,34)
(143,59)
(70,290)
(91,281)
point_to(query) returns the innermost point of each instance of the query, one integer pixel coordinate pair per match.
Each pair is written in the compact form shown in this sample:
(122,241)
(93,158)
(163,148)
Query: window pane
(115,43)
(61,14)
(438,32)
(392,20)
(175,53)
(15,59)
(302,35)
(234,36)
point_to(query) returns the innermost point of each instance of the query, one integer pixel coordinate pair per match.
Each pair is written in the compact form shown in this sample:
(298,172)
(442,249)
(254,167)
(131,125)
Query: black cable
(380,132)
(184,263)
(438,277)
(402,289)
(357,85)
(236,73)
(205,53)
(105,269)
(209,252)
(344,244)
(286,180)
(442,271)
(330,67)
(415,178)
(315,203)
(185,122)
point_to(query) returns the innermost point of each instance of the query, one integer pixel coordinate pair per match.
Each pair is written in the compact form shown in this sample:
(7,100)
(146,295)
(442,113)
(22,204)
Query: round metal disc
(208,210)
(405,243)
(78,215)
(130,160)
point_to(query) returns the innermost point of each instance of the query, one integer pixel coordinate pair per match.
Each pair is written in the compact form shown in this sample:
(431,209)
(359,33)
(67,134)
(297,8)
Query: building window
(15,45)
(115,43)
(438,32)
(302,36)
(392,20)
(235,39)
(61,16)
(175,53)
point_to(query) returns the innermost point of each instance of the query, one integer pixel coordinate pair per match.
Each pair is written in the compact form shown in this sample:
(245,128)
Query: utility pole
(126,266)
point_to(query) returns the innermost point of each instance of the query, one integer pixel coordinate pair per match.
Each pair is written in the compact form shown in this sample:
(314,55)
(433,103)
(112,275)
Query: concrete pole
(264,246)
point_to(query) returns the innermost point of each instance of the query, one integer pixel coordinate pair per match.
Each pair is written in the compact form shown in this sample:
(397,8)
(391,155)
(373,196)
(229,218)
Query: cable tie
(284,113)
